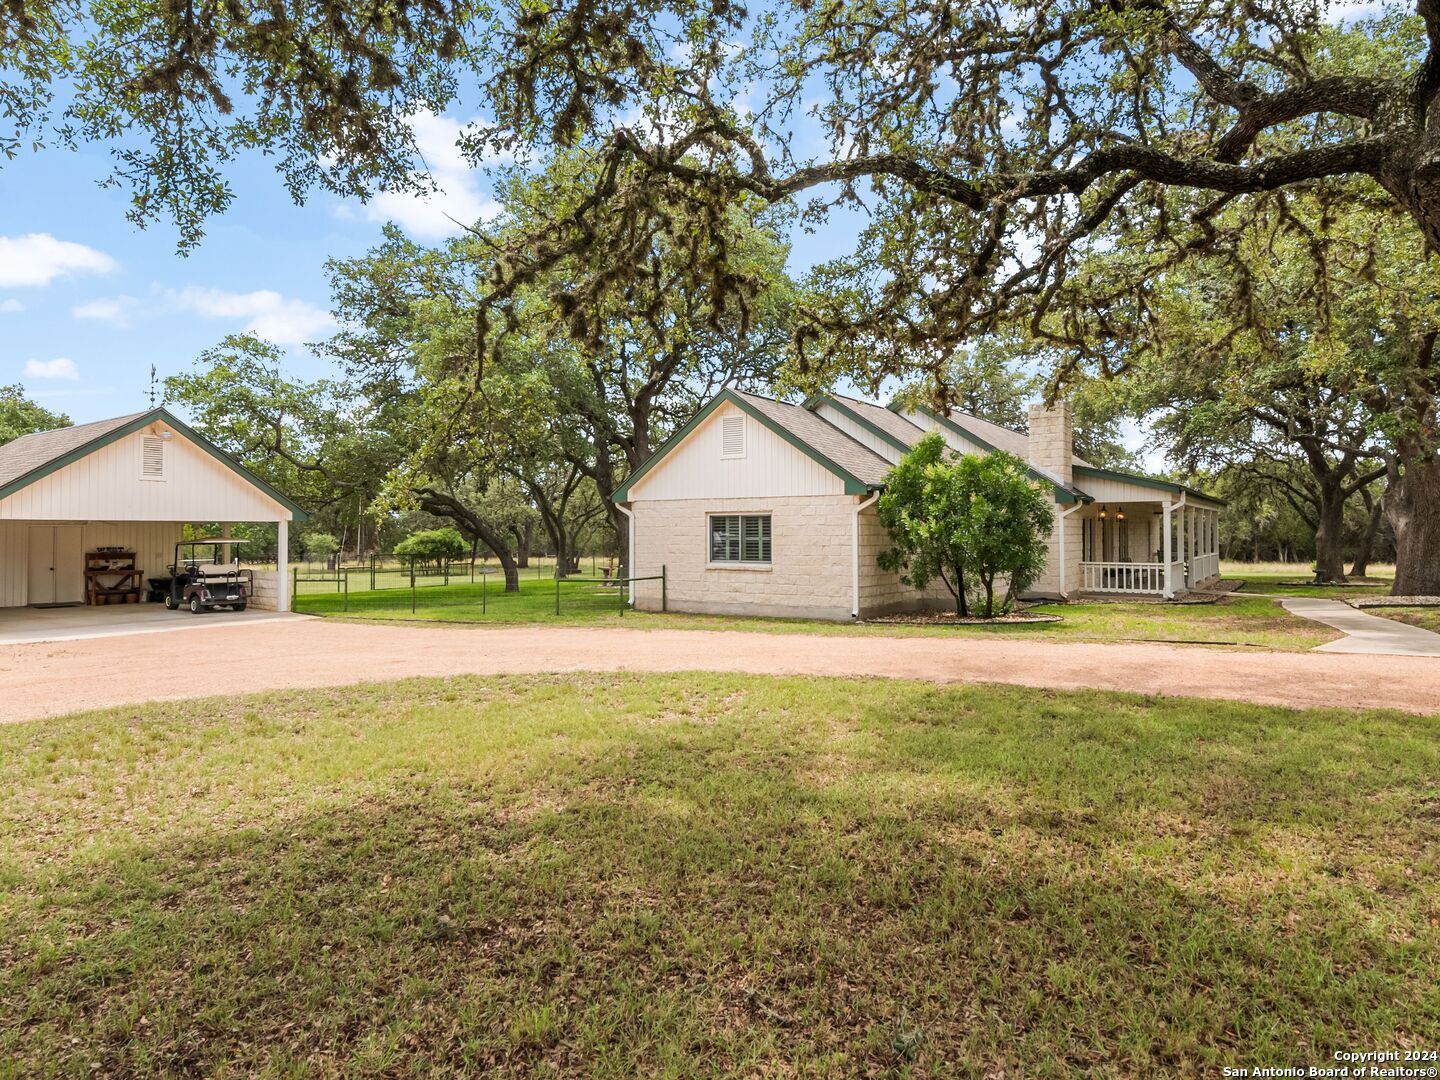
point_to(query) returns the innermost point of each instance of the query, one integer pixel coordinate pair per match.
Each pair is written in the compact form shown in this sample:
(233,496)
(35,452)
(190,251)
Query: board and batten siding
(152,541)
(770,469)
(108,485)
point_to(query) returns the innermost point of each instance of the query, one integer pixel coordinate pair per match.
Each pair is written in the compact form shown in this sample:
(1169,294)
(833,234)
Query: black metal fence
(462,590)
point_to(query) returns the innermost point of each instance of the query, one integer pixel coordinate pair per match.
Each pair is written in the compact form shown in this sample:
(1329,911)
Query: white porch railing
(1204,566)
(1122,577)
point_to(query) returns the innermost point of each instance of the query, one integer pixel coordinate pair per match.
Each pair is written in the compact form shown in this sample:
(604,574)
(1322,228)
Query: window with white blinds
(152,458)
(739,538)
(732,437)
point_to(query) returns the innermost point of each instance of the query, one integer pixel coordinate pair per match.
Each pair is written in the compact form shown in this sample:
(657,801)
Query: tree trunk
(441,504)
(1366,545)
(1412,506)
(1330,535)
(523,539)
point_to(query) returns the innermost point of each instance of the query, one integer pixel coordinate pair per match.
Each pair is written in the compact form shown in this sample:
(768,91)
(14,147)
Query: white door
(57,564)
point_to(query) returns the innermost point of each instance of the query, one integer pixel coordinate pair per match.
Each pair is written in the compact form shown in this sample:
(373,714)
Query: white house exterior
(760,507)
(131,482)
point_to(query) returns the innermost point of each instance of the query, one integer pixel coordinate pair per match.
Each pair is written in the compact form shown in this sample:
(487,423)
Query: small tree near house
(971,521)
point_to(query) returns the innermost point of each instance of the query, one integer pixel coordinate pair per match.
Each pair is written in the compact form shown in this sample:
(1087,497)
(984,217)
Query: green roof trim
(1062,493)
(1144,481)
(853,486)
(839,406)
(140,422)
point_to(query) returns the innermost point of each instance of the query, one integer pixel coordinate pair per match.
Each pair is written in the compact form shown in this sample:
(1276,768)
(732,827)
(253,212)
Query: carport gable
(146,466)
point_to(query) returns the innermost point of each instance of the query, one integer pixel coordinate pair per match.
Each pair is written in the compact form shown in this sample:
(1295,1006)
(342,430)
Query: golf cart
(201,586)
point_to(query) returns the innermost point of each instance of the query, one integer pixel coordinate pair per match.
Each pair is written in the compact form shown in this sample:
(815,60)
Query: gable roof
(860,468)
(24,455)
(889,426)
(33,457)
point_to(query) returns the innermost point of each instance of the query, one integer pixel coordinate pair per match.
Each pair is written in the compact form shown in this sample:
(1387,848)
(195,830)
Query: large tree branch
(1361,156)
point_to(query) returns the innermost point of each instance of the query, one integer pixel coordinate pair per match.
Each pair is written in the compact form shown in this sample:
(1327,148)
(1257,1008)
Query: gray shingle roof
(24,455)
(1002,438)
(892,423)
(823,437)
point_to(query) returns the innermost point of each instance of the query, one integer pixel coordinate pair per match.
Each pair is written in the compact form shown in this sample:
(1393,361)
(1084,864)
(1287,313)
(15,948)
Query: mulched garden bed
(1353,583)
(1394,601)
(949,618)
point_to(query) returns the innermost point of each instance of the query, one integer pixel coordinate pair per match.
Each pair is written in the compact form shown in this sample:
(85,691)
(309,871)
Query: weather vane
(152,386)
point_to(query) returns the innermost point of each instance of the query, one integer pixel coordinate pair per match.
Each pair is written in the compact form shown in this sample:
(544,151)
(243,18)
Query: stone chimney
(1052,441)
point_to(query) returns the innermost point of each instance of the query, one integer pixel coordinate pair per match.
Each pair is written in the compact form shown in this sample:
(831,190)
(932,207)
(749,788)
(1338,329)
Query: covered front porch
(1149,548)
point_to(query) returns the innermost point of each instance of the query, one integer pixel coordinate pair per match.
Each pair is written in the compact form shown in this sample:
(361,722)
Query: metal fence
(467,589)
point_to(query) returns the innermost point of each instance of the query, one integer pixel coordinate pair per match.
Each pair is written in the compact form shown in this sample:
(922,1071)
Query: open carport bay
(21,626)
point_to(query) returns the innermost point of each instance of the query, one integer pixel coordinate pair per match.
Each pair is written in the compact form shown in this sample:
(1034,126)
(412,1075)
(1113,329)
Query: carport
(26,626)
(119,492)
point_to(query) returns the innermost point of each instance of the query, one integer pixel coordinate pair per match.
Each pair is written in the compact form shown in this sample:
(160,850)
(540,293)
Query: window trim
(741,563)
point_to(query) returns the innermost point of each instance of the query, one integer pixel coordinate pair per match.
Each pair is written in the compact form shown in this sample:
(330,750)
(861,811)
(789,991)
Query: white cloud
(267,313)
(62,367)
(11,306)
(38,258)
(459,197)
(115,310)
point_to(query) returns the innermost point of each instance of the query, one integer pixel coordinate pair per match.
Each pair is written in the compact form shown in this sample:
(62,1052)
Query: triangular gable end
(132,473)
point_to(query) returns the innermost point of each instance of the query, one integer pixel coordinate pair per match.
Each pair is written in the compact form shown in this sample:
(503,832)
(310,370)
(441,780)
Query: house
(127,483)
(761,507)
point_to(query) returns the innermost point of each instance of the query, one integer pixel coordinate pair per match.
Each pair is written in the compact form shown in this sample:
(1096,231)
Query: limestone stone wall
(811,558)
(1049,581)
(1052,440)
(881,592)
(809,575)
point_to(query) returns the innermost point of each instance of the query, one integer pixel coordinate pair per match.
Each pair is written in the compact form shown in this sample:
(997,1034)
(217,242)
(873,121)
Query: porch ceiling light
(1119,513)
(1102,511)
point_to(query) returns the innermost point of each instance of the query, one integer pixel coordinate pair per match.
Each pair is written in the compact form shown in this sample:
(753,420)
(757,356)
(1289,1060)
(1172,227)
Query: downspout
(1064,595)
(855,547)
(630,559)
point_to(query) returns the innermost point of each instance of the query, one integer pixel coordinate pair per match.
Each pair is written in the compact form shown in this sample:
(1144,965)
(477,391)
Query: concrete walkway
(1364,633)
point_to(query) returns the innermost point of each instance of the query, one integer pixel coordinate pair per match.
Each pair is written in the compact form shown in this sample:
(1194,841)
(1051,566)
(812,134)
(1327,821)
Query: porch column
(1165,542)
(282,565)
(225,531)
(1190,547)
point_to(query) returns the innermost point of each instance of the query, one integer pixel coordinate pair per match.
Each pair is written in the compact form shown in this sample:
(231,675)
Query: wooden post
(664,599)
(285,601)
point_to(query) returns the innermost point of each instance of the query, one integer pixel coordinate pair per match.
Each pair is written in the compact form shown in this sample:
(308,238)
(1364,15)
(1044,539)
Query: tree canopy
(21,416)
(991,148)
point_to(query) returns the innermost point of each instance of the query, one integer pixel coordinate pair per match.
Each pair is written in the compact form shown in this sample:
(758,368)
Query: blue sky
(88,301)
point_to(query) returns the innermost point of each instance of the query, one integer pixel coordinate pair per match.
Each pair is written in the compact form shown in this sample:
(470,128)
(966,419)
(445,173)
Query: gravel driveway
(50,679)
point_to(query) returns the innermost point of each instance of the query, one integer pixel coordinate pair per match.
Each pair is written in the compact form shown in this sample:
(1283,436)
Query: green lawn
(1241,621)
(1427,617)
(714,876)
(1278,581)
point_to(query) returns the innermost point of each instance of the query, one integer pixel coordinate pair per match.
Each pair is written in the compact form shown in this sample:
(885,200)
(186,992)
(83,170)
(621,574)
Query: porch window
(739,538)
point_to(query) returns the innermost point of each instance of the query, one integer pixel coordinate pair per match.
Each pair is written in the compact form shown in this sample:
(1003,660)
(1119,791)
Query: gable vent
(732,437)
(152,458)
